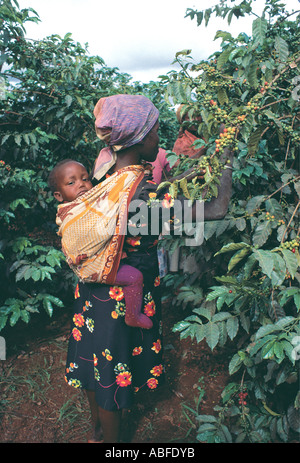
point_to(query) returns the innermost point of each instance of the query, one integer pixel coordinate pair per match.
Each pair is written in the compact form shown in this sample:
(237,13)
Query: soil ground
(37,406)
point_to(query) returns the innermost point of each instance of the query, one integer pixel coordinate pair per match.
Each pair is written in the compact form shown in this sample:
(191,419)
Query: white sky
(139,37)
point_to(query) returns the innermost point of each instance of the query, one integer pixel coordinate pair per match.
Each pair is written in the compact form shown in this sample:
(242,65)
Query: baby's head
(69,180)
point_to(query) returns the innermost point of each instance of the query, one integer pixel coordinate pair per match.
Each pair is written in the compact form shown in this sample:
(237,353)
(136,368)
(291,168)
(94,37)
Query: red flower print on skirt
(116,292)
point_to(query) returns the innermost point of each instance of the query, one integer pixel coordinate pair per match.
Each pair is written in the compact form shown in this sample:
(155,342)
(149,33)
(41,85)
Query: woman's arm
(216,209)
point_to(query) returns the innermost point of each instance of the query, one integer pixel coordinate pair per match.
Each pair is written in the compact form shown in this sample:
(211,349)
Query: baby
(68,181)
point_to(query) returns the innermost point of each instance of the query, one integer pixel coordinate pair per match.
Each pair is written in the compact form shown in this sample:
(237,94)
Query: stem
(272,194)
(283,71)
(289,143)
(274,102)
(293,215)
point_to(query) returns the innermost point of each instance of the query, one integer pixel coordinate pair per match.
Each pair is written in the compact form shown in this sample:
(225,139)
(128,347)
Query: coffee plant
(247,295)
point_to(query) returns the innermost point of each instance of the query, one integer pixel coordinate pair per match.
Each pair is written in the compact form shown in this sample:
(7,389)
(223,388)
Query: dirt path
(37,406)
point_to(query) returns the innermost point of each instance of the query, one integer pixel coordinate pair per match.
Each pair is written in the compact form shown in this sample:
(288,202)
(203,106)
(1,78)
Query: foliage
(48,90)
(248,293)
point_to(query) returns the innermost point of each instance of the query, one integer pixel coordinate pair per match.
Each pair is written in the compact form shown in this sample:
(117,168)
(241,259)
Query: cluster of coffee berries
(263,89)
(242,397)
(252,107)
(290,245)
(270,217)
(207,101)
(212,166)
(219,113)
(4,165)
(209,70)
(291,132)
(205,165)
(241,119)
(226,138)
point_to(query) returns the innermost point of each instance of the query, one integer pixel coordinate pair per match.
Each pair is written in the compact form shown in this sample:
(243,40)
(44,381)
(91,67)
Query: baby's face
(73,181)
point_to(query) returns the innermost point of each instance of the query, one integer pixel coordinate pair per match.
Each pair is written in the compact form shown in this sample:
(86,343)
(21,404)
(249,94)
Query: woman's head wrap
(121,121)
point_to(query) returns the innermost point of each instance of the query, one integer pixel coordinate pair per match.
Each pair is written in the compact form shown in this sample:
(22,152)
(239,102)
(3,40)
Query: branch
(24,115)
(274,193)
(274,102)
(293,215)
(289,143)
(283,71)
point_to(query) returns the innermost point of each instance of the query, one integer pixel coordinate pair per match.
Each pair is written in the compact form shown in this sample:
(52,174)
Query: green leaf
(226,36)
(235,364)
(221,316)
(17,202)
(227,279)
(245,322)
(282,48)
(48,306)
(22,272)
(288,293)
(279,351)
(259,30)
(211,334)
(210,227)
(172,159)
(203,312)
(223,58)
(232,247)
(180,326)
(266,261)
(290,260)
(254,140)
(241,223)
(252,75)
(249,265)
(36,274)
(279,270)
(25,316)
(237,257)
(217,292)
(15,316)
(274,208)
(18,139)
(68,100)
(200,333)
(185,52)
(254,203)
(262,233)
(232,325)
(267,351)
(222,96)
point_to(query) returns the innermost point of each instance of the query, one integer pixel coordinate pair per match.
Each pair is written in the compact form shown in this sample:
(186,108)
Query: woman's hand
(189,175)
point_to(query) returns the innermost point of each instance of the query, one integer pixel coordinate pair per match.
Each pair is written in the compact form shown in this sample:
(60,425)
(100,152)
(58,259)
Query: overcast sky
(137,36)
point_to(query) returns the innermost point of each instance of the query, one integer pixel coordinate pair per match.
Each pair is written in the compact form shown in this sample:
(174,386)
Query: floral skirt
(107,356)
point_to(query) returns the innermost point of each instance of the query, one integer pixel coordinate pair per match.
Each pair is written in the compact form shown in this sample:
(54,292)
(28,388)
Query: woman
(187,136)
(107,358)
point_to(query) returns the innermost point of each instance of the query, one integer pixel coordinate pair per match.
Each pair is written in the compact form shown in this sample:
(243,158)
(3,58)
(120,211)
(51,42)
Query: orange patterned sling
(94,225)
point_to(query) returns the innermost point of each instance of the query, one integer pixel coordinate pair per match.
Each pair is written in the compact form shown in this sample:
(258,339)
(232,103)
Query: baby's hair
(52,179)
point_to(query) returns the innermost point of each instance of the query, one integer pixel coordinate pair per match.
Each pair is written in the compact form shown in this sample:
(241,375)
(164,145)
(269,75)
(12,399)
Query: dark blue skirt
(107,356)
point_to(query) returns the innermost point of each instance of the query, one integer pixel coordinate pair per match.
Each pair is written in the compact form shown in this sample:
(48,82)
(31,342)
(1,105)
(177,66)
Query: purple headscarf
(121,122)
